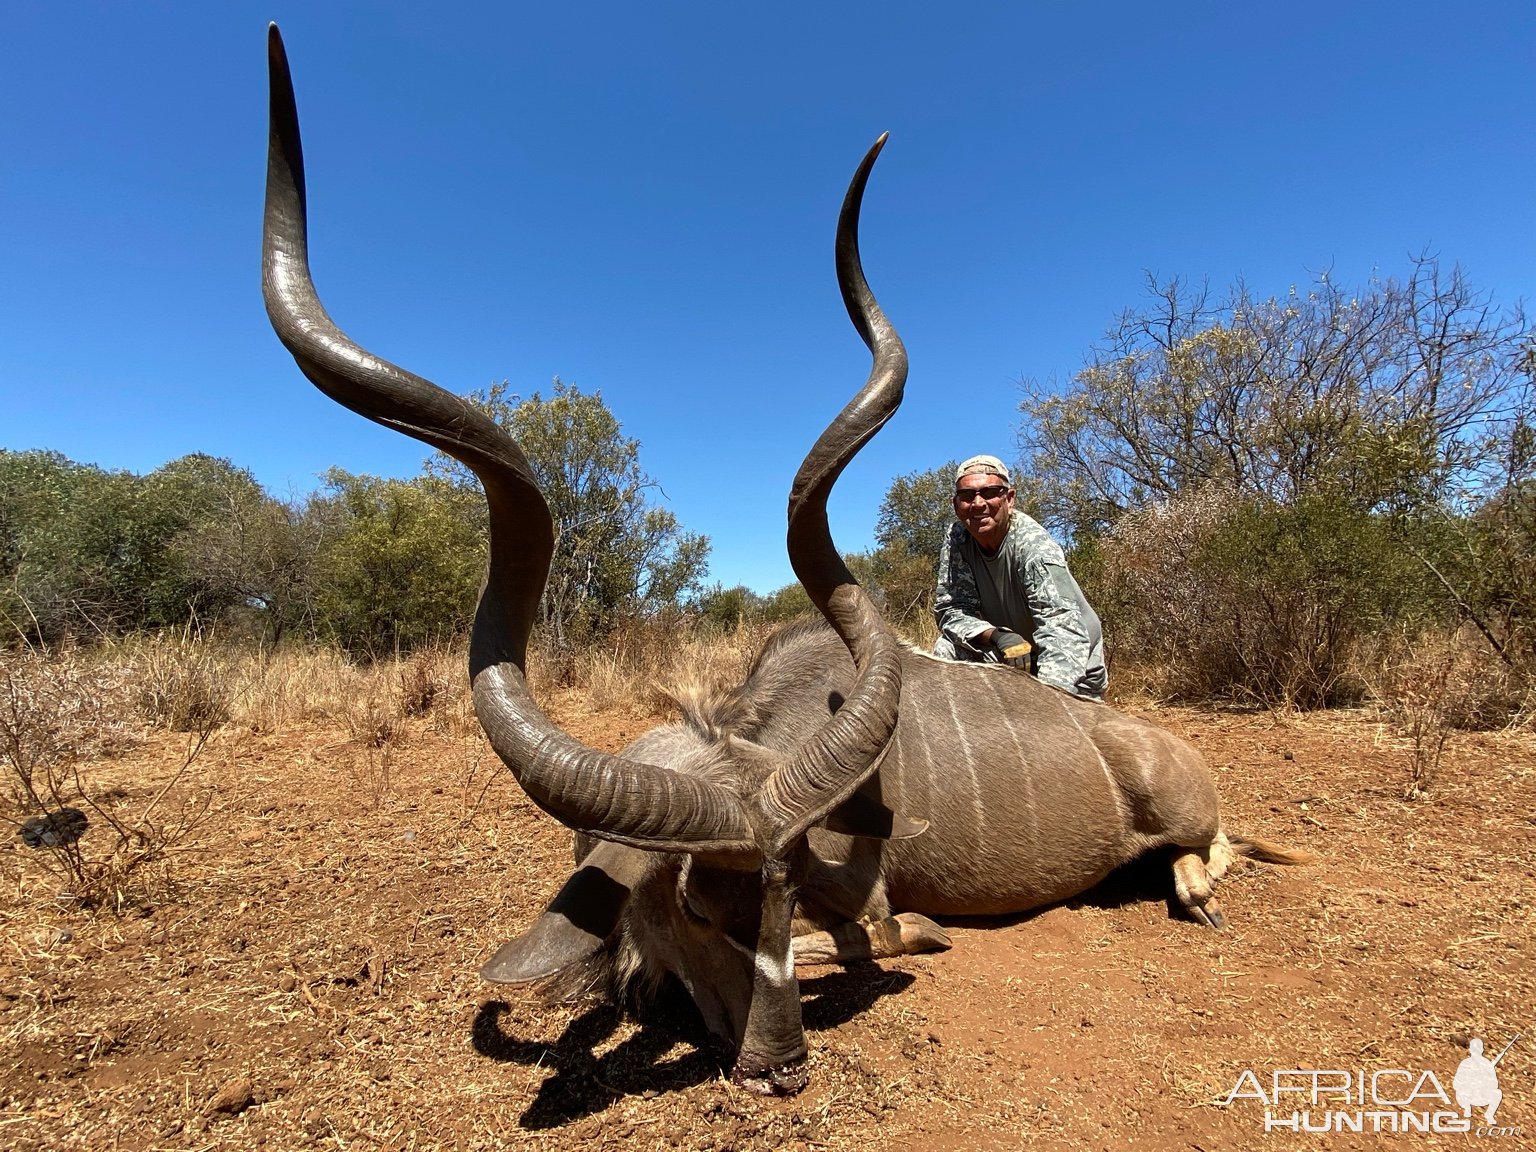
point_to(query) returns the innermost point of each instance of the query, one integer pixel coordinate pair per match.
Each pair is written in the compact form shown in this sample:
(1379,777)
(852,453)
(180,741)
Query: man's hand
(1011,648)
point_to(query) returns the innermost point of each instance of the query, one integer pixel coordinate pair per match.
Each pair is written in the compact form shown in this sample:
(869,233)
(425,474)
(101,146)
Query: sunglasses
(989,494)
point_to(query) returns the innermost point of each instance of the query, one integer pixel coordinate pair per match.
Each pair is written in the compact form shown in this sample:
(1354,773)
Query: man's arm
(956,603)
(1063,646)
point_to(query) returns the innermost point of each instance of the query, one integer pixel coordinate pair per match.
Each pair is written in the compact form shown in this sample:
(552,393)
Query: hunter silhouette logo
(1477,1081)
(1381,1099)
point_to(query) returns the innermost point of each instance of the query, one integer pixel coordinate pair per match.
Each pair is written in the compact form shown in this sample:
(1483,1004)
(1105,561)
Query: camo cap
(985,465)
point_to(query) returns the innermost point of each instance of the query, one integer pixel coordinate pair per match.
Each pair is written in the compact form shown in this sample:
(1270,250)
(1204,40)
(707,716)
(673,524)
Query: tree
(1244,597)
(36,491)
(917,511)
(86,551)
(914,517)
(899,572)
(260,553)
(1487,568)
(1383,398)
(400,562)
(616,553)
(725,609)
(787,603)
(1262,483)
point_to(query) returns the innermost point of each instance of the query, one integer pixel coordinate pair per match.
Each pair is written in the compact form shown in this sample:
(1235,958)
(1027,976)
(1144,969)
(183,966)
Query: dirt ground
(307,976)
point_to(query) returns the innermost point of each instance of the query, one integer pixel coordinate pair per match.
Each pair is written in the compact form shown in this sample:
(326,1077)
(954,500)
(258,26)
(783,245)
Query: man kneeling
(1005,594)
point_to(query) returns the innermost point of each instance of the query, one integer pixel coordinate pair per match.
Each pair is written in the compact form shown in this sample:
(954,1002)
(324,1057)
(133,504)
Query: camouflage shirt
(1027,589)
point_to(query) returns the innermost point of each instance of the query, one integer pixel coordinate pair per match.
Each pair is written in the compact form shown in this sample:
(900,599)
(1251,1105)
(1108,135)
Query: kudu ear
(863,815)
(579,919)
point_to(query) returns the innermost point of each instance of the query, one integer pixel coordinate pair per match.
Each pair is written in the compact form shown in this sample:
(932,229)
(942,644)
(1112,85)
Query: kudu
(784,820)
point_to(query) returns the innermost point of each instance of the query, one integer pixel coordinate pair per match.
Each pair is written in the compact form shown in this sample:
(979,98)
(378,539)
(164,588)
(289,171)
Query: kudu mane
(715,710)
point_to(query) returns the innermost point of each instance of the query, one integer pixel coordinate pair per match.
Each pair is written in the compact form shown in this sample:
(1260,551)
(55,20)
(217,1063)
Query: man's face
(983,504)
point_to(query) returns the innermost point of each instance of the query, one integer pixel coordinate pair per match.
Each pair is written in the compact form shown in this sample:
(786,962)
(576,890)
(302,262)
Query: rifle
(1507,1047)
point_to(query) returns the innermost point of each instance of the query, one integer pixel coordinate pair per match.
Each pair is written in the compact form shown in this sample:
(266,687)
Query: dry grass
(178,681)
(65,718)
(635,668)
(272,691)
(65,715)
(1433,685)
(313,961)
(641,665)
(185,684)
(78,704)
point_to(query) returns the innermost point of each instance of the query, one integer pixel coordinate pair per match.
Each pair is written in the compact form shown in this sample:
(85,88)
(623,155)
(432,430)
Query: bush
(1239,597)
(179,685)
(1432,684)
(402,565)
(57,714)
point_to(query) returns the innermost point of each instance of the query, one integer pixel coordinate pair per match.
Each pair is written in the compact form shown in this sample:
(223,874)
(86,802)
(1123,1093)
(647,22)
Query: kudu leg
(1195,874)
(904,934)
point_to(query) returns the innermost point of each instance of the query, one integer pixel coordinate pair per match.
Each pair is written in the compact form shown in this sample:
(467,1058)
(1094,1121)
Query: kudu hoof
(1209,914)
(920,934)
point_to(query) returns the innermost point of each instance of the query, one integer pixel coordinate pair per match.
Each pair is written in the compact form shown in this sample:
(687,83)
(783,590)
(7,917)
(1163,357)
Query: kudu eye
(690,906)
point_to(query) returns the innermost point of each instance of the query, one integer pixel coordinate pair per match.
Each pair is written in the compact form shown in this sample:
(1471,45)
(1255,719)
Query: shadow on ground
(584,1083)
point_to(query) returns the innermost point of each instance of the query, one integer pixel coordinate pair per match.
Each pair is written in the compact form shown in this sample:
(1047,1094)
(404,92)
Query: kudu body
(811,813)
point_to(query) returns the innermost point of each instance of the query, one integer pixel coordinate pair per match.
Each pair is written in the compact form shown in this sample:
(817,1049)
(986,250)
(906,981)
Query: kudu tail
(1269,853)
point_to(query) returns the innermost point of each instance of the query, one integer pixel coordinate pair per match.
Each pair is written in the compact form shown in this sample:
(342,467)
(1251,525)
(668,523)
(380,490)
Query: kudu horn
(644,805)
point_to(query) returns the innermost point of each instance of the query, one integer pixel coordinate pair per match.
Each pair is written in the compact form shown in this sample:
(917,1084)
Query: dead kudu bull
(787,819)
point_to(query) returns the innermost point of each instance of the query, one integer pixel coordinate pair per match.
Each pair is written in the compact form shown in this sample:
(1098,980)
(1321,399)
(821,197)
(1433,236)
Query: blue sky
(640,199)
